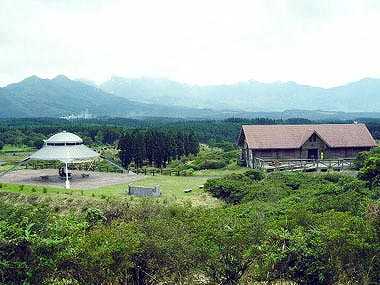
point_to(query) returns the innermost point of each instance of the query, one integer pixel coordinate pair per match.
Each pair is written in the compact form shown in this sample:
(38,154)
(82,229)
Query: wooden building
(323,141)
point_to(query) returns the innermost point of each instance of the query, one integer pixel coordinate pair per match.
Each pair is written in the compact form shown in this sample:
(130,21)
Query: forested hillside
(108,131)
(60,96)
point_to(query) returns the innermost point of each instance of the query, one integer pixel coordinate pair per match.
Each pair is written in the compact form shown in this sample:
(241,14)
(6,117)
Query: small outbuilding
(320,141)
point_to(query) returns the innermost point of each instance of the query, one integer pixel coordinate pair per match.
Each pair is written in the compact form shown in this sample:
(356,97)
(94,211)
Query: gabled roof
(294,136)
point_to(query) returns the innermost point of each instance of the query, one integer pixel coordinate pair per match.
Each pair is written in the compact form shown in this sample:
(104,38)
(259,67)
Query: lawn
(171,190)
(14,149)
(219,172)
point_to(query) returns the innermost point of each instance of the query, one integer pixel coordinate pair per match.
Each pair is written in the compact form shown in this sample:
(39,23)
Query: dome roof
(65,147)
(64,137)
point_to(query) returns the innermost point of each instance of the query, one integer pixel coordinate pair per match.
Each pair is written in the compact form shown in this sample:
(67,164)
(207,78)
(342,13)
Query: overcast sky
(321,43)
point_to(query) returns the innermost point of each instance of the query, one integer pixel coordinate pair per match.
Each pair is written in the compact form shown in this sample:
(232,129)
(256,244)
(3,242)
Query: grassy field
(219,172)
(172,190)
(172,187)
(8,158)
(13,149)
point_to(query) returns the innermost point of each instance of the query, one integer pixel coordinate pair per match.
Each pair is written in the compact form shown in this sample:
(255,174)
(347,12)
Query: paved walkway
(50,177)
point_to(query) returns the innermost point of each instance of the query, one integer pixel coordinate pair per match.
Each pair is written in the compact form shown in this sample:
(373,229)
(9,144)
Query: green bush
(95,216)
(255,174)
(332,177)
(370,172)
(187,172)
(207,158)
(211,164)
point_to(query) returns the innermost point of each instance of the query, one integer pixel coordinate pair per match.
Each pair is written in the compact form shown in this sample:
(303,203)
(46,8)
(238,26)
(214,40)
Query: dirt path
(94,179)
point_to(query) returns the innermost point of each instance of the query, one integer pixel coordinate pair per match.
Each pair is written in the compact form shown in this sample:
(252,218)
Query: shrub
(95,216)
(370,172)
(212,164)
(187,172)
(332,177)
(255,174)
(231,189)
(360,159)
(293,185)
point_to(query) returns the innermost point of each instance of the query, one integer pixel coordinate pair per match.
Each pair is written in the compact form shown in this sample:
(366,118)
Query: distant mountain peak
(32,78)
(61,77)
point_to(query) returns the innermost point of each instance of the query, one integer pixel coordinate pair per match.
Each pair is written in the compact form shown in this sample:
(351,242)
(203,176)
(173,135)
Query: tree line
(31,132)
(156,147)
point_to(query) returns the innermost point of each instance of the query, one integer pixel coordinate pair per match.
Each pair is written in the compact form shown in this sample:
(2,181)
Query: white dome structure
(67,148)
(64,137)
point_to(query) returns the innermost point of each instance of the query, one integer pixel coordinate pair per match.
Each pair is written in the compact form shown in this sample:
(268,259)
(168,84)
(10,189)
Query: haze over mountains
(60,96)
(251,96)
(145,97)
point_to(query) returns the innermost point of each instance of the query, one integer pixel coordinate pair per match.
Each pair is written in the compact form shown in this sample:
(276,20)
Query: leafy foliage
(325,230)
(156,147)
(369,163)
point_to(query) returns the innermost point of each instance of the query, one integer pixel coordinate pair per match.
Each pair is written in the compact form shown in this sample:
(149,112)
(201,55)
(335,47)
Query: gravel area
(50,177)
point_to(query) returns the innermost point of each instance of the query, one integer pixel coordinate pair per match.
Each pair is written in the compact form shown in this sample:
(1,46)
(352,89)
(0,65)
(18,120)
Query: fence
(158,171)
(303,164)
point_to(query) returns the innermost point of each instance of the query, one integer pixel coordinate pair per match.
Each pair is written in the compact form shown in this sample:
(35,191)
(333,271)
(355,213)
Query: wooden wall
(301,153)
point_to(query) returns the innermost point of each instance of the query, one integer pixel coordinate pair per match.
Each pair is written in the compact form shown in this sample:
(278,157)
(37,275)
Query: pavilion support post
(67,185)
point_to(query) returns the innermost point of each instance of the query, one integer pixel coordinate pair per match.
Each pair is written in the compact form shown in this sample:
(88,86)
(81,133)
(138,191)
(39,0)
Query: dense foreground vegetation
(301,227)
(308,228)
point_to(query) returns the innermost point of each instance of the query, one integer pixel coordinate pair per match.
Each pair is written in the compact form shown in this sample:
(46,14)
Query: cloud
(314,42)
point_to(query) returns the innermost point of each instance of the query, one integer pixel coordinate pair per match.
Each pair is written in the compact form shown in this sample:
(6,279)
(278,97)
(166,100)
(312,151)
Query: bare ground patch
(50,177)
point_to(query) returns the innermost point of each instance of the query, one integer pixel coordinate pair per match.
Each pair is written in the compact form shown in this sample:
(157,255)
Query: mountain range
(146,97)
(60,96)
(251,96)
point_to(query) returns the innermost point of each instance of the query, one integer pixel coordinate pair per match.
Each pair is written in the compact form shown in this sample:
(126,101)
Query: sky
(319,43)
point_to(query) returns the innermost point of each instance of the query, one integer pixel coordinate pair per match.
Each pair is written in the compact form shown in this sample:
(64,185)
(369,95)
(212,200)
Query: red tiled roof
(294,136)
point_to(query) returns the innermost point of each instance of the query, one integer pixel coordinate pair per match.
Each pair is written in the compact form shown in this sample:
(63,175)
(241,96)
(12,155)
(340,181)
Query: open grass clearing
(172,190)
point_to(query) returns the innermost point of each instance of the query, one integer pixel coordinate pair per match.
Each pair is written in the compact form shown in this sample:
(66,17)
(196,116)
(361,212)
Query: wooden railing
(303,164)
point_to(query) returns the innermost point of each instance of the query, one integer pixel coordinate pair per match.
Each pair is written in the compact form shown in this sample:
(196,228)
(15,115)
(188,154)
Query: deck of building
(304,164)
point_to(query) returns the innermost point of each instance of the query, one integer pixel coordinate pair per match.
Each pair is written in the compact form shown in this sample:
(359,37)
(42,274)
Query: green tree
(125,150)
(370,172)
(139,151)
